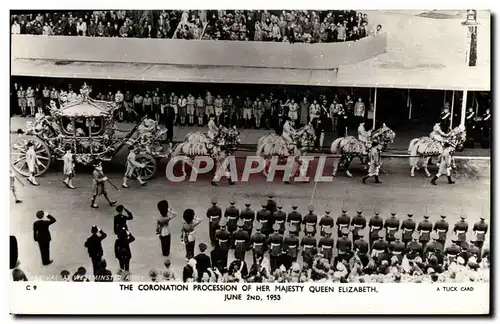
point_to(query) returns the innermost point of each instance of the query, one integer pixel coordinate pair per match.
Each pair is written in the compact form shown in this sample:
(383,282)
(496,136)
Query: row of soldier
(236,230)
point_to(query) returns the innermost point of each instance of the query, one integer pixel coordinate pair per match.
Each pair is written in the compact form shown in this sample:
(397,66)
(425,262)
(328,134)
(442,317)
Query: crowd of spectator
(191,25)
(288,26)
(109,23)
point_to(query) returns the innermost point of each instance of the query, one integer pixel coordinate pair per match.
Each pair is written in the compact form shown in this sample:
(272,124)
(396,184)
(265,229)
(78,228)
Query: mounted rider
(438,134)
(363,134)
(213,129)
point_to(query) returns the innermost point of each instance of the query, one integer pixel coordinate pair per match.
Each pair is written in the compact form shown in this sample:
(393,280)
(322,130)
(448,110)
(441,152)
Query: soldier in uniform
(397,247)
(361,247)
(343,222)
(344,245)
(375,162)
(32,162)
(258,242)
(474,250)
(294,219)
(326,221)
(461,228)
(375,224)
(264,217)
(132,167)
(248,217)
(441,227)
(358,223)
(214,214)
(275,243)
(311,219)
(408,227)
(325,244)
(391,225)
(309,245)
(480,228)
(222,237)
(452,251)
(279,217)
(232,215)
(445,163)
(291,246)
(380,245)
(69,168)
(434,247)
(99,185)
(414,248)
(424,228)
(241,240)
(272,206)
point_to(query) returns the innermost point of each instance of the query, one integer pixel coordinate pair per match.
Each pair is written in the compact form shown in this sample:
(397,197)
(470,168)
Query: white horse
(272,144)
(350,147)
(423,149)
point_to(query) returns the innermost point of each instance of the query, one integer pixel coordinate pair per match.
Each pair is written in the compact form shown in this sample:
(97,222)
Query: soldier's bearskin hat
(188,215)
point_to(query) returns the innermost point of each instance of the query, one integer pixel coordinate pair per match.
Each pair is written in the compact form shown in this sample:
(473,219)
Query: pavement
(399,192)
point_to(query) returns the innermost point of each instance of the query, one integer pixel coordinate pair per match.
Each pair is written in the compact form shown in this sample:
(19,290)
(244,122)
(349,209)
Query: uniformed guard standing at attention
(264,217)
(397,247)
(380,245)
(232,214)
(294,219)
(358,223)
(361,247)
(275,243)
(391,225)
(248,217)
(258,242)
(344,245)
(291,245)
(433,247)
(343,221)
(214,214)
(408,227)
(241,241)
(311,219)
(325,244)
(441,227)
(424,228)
(271,205)
(460,229)
(474,250)
(452,251)
(309,245)
(480,228)
(415,248)
(222,237)
(279,218)
(376,223)
(326,221)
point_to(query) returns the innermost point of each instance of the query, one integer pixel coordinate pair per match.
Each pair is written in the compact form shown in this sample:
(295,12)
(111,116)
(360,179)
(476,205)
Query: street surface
(399,192)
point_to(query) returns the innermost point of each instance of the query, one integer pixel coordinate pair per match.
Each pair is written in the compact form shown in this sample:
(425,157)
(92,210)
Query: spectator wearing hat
(162,226)
(122,248)
(309,244)
(375,224)
(188,233)
(241,240)
(203,263)
(480,229)
(41,234)
(214,214)
(461,228)
(94,247)
(310,219)
(222,237)
(441,227)
(80,275)
(120,220)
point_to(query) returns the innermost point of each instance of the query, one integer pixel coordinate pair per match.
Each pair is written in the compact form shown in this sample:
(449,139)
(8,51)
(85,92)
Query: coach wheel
(18,156)
(149,169)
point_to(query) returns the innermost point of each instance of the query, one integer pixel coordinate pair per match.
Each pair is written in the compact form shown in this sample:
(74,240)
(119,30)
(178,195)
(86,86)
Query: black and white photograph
(253,158)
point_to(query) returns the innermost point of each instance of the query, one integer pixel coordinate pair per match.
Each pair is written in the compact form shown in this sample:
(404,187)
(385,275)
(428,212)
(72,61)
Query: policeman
(361,248)
(424,228)
(311,219)
(343,221)
(214,214)
(375,224)
(415,247)
(309,245)
(241,241)
(441,227)
(344,245)
(222,237)
(258,242)
(326,221)
(275,243)
(397,247)
(391,225)
(358,223)
(291,245)
(480,228)
(279,217)
(232,214)
(461,228)
(325,244)
(380,245)
(451,252)
(264,217)
(294,219)
(408,227)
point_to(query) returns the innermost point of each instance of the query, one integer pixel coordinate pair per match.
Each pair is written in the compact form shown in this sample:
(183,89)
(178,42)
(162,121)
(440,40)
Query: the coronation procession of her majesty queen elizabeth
(252,158)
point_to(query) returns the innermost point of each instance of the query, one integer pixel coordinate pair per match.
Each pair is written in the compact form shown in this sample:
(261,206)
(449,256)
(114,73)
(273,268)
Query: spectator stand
(191,25)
